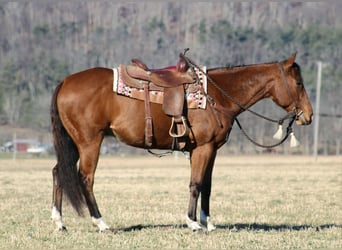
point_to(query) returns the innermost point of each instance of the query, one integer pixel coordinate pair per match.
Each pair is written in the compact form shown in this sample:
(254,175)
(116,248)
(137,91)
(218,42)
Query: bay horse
(84,109)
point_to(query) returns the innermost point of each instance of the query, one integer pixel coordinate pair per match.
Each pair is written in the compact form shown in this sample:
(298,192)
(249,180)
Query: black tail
(67,157)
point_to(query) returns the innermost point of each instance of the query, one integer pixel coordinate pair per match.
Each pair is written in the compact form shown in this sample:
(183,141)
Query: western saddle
(171,80)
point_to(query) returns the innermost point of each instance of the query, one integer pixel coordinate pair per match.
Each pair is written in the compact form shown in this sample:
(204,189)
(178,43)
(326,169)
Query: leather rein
(292,116)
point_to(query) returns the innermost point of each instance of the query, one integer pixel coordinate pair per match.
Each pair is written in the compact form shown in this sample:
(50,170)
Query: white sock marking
(99,222)
(57,219)
(205,221)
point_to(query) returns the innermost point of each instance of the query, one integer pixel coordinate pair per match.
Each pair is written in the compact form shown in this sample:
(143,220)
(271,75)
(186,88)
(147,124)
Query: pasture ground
(258,202)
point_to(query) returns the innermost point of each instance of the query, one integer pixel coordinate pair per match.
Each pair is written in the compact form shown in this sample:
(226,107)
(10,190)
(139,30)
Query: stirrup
(177,126)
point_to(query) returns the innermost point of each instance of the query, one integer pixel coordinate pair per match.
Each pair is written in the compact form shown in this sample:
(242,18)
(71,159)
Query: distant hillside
(42,42)
(86,33)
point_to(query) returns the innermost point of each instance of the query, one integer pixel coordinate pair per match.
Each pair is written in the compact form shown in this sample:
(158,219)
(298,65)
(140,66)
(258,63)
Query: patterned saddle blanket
(196,99)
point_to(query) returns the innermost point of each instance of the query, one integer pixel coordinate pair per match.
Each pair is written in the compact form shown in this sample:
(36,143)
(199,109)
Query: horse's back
(87,84)
(90,78)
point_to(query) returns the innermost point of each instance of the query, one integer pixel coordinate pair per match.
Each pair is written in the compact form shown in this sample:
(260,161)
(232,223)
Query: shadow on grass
(141,227)
(234,227)
(268,227)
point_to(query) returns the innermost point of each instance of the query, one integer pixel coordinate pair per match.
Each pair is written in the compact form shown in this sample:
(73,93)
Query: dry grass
(273,202)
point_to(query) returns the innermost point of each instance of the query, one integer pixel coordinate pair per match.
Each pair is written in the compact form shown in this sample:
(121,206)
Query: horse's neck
(246,85)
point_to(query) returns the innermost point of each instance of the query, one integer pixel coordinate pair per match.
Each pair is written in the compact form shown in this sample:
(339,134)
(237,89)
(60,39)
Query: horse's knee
(195,190)
(55,173)
(87,179)
(55,170)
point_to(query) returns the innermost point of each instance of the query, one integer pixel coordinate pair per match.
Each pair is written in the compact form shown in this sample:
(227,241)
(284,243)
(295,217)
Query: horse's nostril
(311,118)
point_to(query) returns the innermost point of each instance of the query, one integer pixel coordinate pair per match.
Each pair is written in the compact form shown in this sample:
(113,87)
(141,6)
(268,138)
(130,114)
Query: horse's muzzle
(302,120)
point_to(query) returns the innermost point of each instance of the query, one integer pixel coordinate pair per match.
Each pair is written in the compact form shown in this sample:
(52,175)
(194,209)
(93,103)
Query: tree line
(41,43)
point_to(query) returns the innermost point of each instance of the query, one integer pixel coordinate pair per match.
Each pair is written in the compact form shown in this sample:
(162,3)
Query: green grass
(273,202)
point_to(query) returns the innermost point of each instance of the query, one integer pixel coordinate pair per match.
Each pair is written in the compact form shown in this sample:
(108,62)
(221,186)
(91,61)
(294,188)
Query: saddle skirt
(124,85)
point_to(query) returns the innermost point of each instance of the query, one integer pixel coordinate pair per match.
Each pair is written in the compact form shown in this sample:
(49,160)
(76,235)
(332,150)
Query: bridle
(291,116)
(298,112)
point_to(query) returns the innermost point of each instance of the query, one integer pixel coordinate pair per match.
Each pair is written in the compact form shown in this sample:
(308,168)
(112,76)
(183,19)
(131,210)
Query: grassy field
(260,202)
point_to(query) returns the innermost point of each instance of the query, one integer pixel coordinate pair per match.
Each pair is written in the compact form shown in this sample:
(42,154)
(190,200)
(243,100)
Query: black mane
(230,66)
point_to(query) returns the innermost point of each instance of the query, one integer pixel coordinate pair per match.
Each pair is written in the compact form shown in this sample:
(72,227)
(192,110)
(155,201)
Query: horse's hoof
(207,226)
(114,230)
(100,223)
(109,230)
(211,227)
(193,225)
(61,229)
(206,223)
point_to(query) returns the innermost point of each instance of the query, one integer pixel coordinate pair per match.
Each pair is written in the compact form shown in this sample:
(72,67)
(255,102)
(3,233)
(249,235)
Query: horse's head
(289,92)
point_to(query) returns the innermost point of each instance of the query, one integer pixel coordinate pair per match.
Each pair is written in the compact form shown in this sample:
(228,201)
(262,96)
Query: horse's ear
(289,62)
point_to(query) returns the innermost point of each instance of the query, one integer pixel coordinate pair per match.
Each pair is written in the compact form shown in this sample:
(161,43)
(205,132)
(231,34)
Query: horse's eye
(299,84)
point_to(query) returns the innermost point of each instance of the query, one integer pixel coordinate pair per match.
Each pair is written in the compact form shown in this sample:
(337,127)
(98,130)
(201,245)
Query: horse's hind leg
(56,215)
(89,155)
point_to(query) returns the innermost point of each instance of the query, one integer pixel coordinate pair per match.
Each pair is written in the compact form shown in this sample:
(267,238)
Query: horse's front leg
(205,195)
(200,161)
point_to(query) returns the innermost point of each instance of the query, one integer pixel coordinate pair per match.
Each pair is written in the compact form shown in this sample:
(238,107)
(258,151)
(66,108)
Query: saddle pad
(194,96)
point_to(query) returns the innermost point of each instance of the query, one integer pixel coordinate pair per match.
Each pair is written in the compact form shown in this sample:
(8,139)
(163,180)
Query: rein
(288,132)
(290,115)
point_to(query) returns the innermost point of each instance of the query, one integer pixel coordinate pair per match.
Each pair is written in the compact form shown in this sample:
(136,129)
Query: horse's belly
(129,125)
(135,136)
